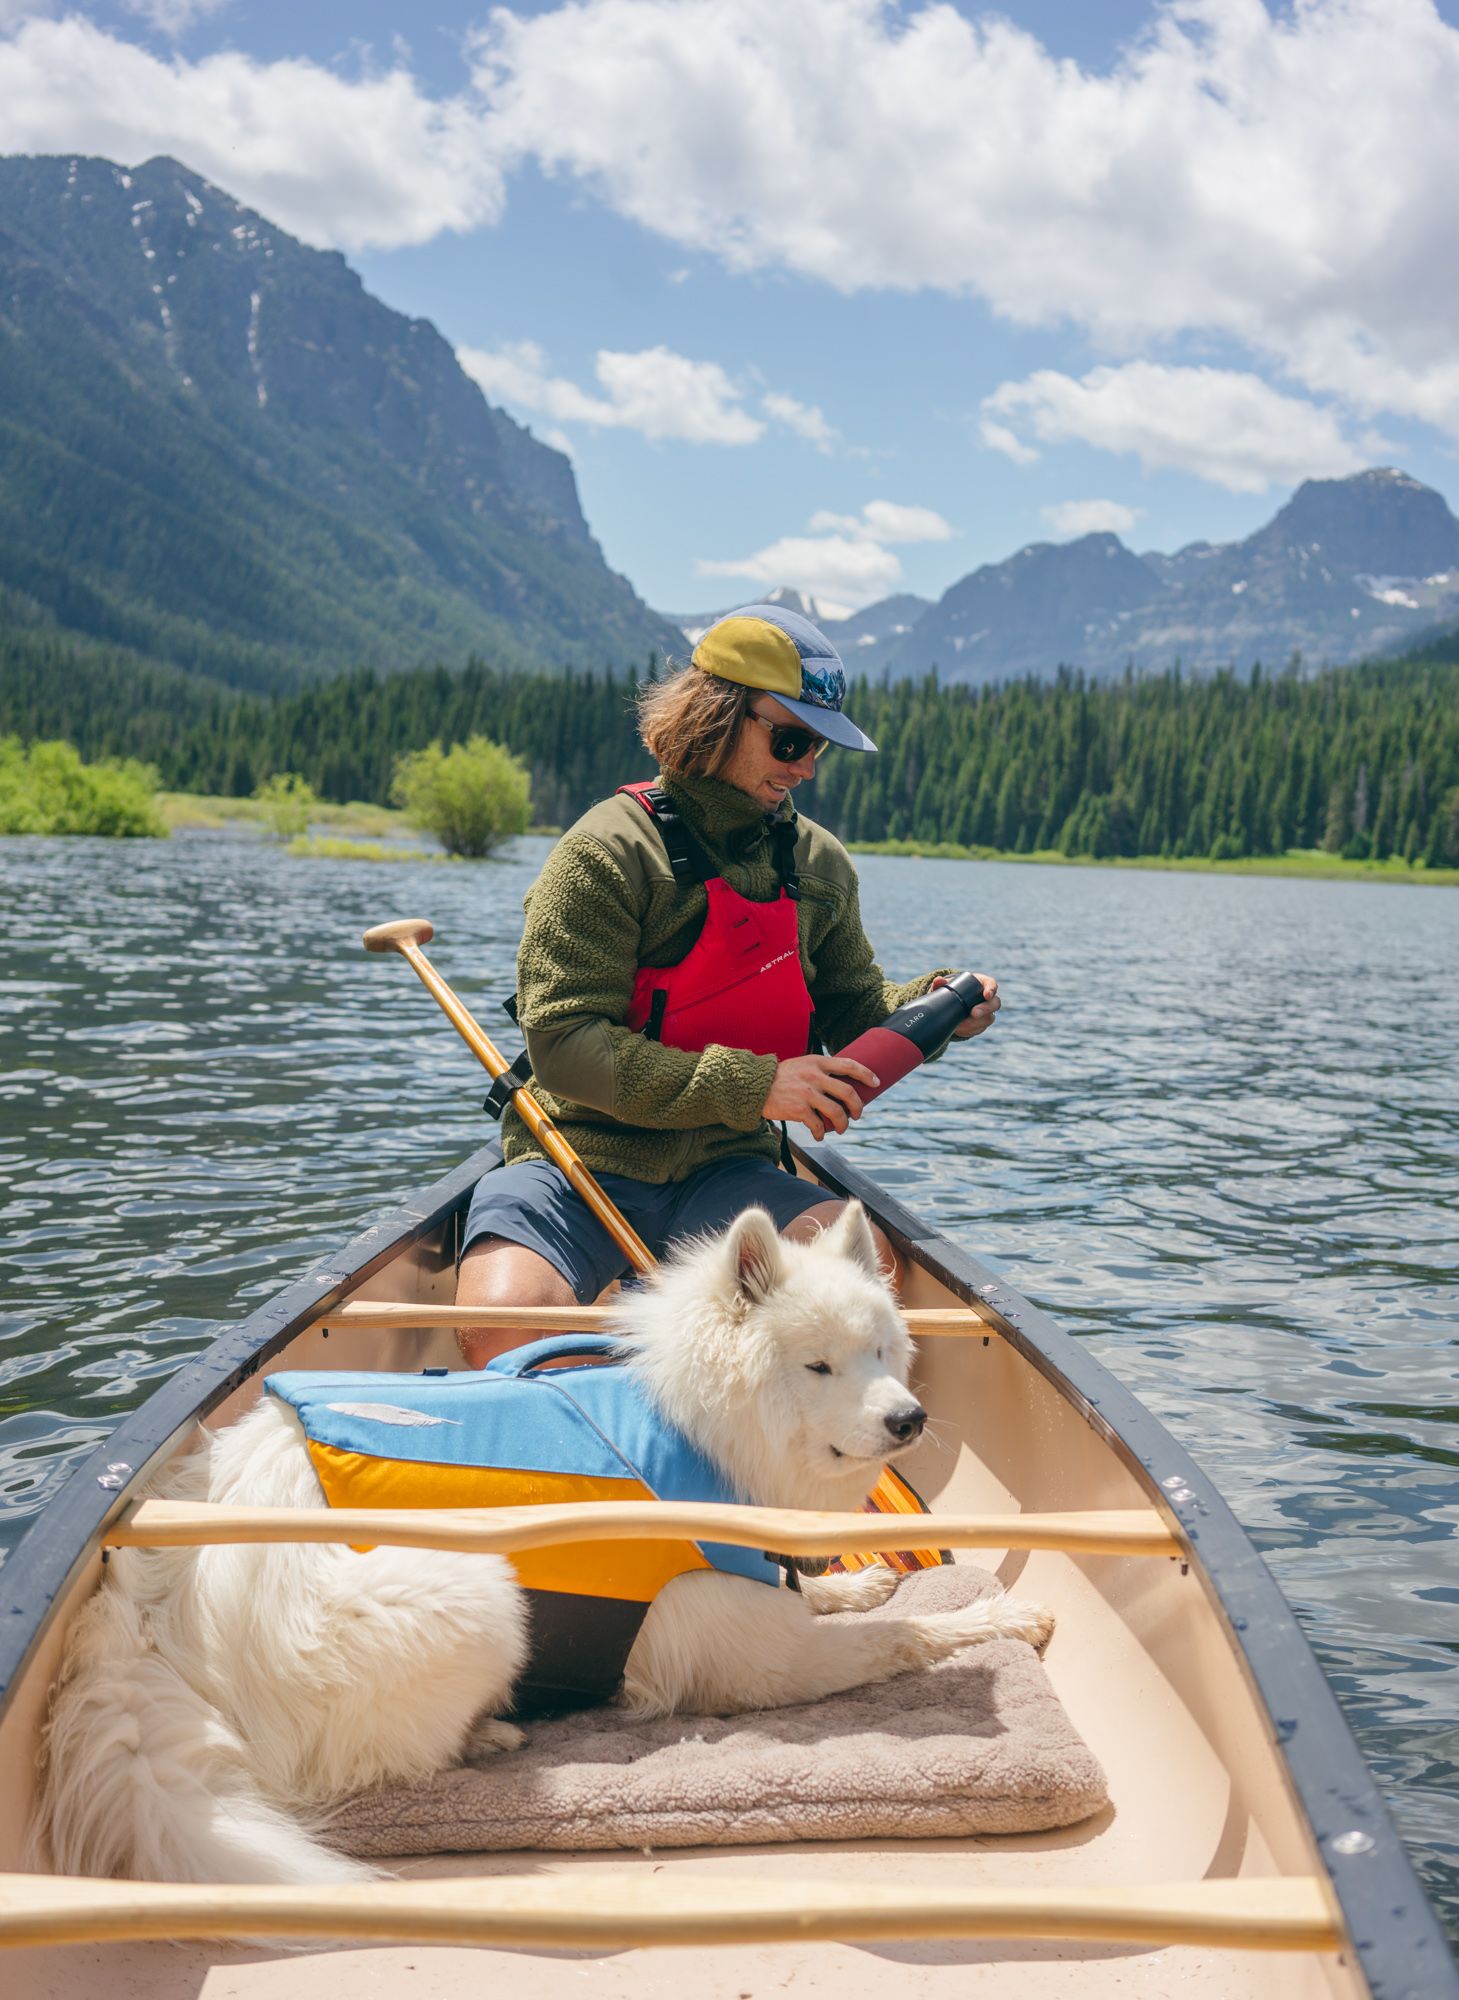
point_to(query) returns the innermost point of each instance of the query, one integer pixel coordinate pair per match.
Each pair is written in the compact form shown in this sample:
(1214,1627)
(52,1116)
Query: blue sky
(849,295)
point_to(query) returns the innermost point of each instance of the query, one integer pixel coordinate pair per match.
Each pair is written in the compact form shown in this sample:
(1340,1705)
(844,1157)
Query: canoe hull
(1226,1753)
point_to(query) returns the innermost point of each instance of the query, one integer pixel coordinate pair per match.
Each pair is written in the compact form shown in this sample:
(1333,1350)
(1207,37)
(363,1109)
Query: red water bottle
(915,1033)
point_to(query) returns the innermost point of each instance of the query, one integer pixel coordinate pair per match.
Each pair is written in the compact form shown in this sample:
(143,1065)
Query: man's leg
(529,1241)
(712,1198)
(496,1273)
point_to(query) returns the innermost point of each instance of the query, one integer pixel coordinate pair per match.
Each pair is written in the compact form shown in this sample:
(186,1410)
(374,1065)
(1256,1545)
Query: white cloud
(1283,177)
(15,11)
(1231,428)
(1091,517)
(174,17)
(656,392)
(807,420)
(885,521)
(998,437)
(337,160)
(844,556)
(824,566)
(666,395)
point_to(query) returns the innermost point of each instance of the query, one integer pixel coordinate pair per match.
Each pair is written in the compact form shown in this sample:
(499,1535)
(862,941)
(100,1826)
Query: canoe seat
(977,1745)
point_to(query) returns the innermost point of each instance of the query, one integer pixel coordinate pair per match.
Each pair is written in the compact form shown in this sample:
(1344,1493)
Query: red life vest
(741,984)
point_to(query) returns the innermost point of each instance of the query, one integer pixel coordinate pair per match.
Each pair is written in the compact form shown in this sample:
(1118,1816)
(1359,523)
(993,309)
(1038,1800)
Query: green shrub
(47,789)
(288,804)
(472,798)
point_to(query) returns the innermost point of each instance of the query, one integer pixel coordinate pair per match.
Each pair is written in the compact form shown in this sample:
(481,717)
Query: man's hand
(982,1015)
(818,1092)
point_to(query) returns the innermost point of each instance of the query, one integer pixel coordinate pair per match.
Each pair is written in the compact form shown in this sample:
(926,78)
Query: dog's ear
(850,1236)
(756,1258)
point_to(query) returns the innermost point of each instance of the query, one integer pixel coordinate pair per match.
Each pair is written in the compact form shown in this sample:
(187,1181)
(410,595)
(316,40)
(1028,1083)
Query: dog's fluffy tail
(144,1778)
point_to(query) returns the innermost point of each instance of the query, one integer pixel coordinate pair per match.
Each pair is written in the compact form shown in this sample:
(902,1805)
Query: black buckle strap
(506,1086)
(687,858)
(783,834)
(796,1567)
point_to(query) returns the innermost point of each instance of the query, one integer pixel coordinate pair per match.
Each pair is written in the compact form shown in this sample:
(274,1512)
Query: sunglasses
(788,742)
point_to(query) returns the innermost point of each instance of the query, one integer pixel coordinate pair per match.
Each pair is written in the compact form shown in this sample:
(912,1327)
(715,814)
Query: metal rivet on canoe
(1355,1842)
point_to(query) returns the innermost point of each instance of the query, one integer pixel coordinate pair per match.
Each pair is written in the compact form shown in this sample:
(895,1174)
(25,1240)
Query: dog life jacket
(741,983)
(559,1420)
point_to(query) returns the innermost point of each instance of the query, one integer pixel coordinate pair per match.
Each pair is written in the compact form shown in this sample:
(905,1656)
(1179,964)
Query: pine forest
(1362,761)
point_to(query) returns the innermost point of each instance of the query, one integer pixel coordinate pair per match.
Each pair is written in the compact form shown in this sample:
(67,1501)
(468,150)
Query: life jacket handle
(557,1347)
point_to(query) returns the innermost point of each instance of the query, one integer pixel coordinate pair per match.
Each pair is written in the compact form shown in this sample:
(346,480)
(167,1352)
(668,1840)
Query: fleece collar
(722,816)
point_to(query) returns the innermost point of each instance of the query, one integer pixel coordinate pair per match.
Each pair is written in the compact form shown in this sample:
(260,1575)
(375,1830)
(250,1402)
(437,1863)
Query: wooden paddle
(407,936)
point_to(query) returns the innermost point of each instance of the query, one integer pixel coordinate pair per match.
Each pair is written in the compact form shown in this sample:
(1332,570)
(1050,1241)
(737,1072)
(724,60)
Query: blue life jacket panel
(562,1419)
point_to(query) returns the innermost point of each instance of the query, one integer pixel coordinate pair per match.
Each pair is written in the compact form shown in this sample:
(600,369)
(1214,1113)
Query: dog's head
(786,1363)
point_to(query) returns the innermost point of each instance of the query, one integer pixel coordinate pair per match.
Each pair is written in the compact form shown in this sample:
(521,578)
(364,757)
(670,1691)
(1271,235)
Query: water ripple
(1215,1133)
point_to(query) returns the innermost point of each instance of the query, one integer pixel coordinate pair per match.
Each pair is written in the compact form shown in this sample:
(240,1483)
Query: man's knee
(497,1273)
(811,1221)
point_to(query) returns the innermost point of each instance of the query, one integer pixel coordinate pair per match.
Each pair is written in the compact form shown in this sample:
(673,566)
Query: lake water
(1215,1133)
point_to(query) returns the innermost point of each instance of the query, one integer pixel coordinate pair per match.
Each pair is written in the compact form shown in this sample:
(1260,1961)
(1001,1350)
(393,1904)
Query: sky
(843,294)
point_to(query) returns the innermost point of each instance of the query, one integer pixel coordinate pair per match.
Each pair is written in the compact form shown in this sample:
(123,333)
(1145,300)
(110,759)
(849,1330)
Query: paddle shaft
(399,937)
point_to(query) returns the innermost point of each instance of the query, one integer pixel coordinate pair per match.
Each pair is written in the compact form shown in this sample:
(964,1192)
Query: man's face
(754,767)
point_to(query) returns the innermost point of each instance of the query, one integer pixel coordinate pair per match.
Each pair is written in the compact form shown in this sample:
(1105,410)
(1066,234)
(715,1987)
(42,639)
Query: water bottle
(914,1034)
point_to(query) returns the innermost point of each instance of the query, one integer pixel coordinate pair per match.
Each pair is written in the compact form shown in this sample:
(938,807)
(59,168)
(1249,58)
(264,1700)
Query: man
(686,946)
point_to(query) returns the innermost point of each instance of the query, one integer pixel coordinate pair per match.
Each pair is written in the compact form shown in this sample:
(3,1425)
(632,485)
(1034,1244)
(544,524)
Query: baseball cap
(765,646)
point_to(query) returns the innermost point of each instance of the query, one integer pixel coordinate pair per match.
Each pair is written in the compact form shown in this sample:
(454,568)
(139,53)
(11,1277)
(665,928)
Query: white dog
(215,1703)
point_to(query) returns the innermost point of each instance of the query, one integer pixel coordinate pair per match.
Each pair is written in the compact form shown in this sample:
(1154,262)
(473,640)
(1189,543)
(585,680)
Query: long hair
(691,722)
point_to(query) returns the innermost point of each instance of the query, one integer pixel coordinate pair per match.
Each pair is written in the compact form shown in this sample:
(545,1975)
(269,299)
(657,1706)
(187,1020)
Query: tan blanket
(979,1744)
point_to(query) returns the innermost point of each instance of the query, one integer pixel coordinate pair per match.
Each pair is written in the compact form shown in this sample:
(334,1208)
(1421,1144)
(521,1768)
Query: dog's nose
(906,1424)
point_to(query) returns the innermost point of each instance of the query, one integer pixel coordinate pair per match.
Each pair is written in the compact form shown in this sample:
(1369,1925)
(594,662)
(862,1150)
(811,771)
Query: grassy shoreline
(206,812)
(1310,863)
(362,821)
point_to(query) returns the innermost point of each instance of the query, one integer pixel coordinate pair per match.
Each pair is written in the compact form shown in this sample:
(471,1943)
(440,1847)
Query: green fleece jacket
(606,903)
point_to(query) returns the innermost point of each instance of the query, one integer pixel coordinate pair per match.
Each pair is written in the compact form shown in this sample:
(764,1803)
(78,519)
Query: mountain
(217,449)
(864,639)
(867,639)
(1348,568)
(692,625)
(1051,602)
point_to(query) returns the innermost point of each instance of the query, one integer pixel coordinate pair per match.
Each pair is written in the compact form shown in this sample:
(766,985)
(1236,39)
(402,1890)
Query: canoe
(1246,1852)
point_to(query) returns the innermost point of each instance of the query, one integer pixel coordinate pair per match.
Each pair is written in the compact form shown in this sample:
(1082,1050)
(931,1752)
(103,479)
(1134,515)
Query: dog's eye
(819,1367)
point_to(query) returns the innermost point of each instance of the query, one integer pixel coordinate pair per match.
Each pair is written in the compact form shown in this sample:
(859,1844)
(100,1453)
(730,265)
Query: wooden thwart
(157,1524)
(386,1315)
(619,1908)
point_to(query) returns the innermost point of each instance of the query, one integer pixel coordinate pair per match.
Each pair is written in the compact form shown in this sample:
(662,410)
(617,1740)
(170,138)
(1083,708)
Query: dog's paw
(992,1618)
(487,1737)
(859,1590)
(1016,1618)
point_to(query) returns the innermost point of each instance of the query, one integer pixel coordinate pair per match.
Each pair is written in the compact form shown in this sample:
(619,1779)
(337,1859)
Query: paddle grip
(914,1033)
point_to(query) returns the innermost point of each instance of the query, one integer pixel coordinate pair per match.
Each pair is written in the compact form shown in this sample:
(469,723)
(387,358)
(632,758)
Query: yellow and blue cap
(765,646)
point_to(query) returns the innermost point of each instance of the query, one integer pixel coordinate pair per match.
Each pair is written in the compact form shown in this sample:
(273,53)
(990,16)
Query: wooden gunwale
(1392,1934)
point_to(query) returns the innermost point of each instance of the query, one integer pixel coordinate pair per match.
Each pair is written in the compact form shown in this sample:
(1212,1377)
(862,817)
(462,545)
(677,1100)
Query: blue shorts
(531,1204)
